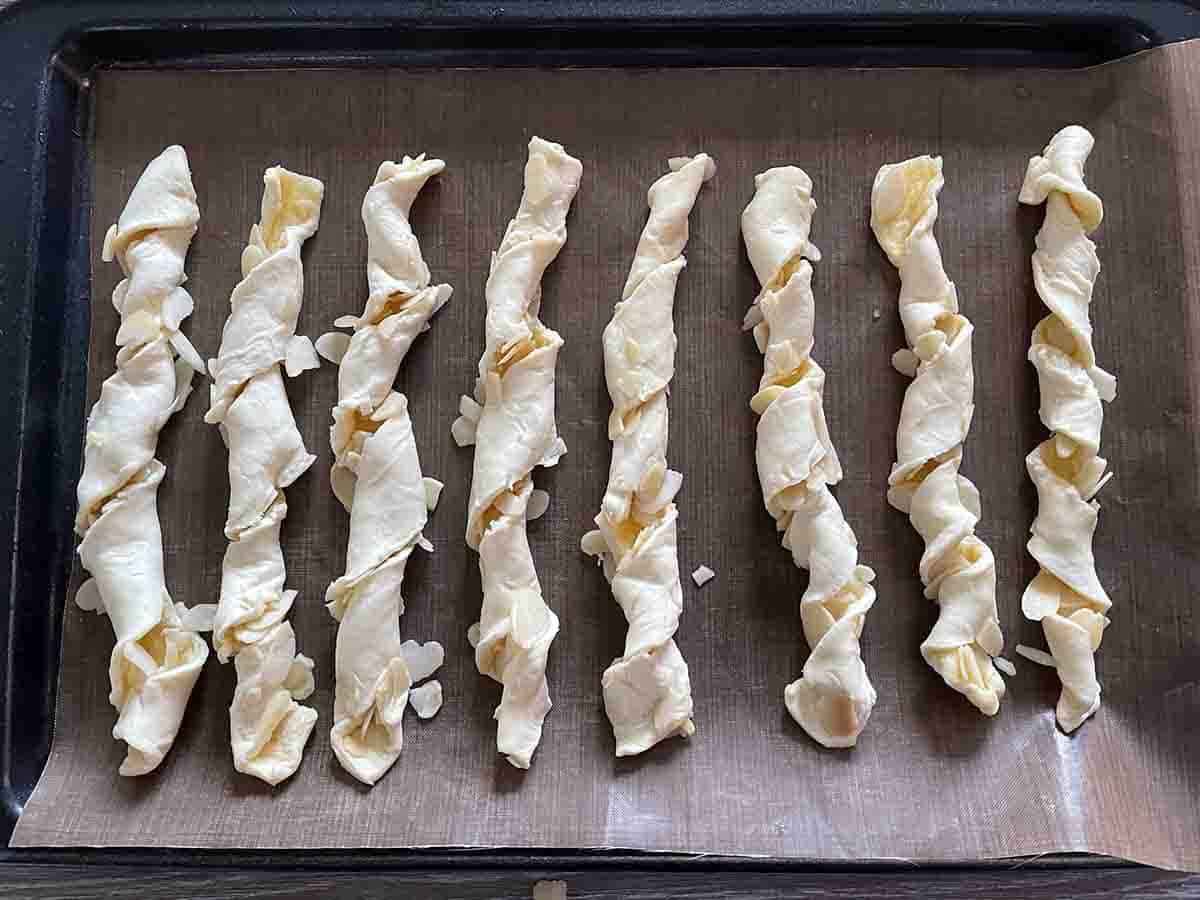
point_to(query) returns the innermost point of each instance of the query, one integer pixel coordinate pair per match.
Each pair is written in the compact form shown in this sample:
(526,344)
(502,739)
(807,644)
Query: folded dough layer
(511,423)
(647,690)
(957,568)
(797,464)
(1066,595)
(377,476)
(156,660)
(268,727)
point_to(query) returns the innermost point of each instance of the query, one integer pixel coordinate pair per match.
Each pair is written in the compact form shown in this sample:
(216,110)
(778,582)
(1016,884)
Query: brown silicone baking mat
(931,779)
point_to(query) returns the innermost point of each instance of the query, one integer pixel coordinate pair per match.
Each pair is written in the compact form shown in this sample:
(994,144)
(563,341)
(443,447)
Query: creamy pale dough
(647,690)
(511,423)
(797,464)
(957,568)
(157,658)
(377,476)
(268,728)
(1066,595)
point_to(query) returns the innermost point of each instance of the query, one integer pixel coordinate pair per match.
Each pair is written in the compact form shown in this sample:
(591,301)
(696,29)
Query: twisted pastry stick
(1066,595)
(957,568)
(647,691)
(377,476)
(268,728)
(511,422)
(157,658)
(833,698)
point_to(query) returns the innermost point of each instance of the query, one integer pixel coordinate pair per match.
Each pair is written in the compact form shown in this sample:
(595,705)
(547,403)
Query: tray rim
(54,53)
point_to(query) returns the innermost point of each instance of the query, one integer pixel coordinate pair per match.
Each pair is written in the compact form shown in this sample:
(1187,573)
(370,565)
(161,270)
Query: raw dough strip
(268,728)
(157,659)
(957,568)
(797,463)
(511,422)
(377,477)
(1066,595)
(647,691)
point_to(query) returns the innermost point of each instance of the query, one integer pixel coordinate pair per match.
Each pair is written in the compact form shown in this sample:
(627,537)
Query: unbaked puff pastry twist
(1066,595)
(797,463)
(268,727)
(647,690)
(511,423)
(957,568)
(377,477)
(157,657)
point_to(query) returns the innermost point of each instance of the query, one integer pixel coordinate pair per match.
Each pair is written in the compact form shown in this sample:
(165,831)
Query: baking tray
(50,51)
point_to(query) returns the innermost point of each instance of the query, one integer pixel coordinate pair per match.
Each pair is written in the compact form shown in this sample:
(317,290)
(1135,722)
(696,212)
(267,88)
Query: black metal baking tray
(49,51)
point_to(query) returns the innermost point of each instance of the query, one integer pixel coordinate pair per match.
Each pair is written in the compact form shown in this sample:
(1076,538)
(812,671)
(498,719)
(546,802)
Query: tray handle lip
(1162,20)
(44,276)
(539,860)
(79,31)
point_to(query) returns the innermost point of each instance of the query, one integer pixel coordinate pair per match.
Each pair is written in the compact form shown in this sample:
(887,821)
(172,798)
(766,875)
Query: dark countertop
(147,882)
